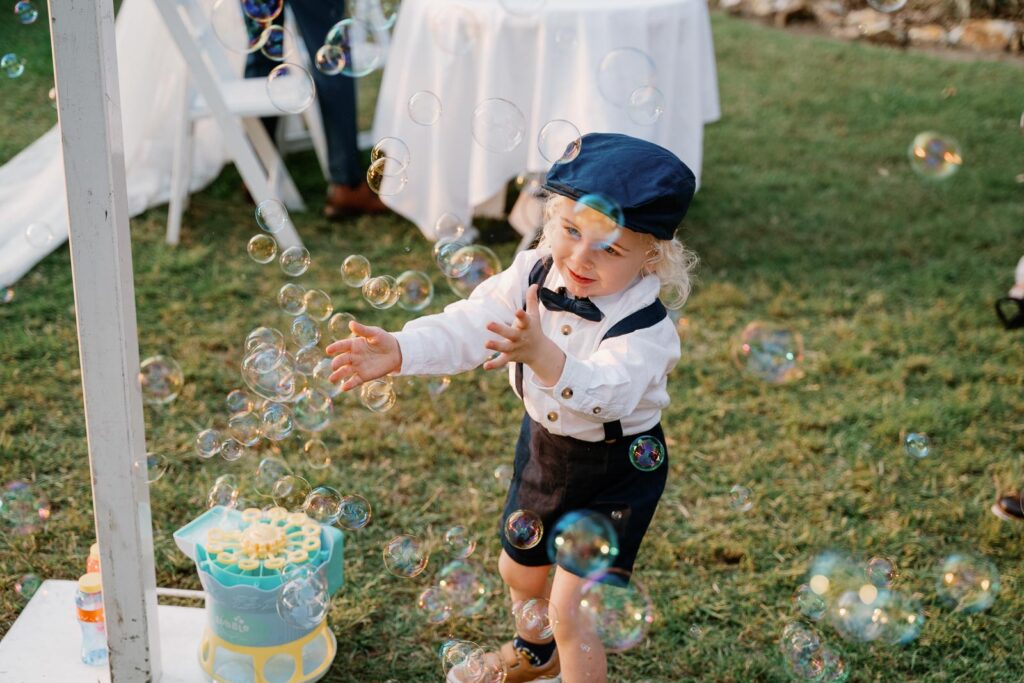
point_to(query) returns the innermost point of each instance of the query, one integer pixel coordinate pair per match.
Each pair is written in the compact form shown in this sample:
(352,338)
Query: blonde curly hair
(669,260)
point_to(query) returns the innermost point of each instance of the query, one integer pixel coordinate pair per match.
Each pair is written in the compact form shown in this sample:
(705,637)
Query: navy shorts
(554,475)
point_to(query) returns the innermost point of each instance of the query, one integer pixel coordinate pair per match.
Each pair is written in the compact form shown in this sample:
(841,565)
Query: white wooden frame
(85,68)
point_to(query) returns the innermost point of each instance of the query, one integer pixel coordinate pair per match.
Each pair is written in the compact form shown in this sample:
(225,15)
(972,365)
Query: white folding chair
(236,104)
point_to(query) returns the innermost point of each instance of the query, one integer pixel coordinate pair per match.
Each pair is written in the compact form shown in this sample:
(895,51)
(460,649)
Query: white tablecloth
(546,63)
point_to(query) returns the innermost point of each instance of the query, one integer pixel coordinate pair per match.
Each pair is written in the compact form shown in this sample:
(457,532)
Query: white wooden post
(89,108)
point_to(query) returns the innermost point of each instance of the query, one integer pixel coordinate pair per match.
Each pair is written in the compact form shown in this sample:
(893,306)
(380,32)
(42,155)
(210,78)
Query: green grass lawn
(808,213)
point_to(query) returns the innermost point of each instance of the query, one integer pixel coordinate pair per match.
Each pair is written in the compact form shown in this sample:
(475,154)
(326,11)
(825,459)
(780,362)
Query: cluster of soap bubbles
(807,658)
(461,587)
(466,662)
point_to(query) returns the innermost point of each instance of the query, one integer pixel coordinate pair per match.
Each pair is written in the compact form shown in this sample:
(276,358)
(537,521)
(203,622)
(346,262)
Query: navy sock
(537,654)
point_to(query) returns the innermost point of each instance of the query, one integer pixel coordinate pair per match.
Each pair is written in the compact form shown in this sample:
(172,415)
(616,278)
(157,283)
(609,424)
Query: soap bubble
(359,44)
(316,454)
(482,264)
(622,72)
(770,352)
(7,295)
(434,606)
(854,614)
(498,125)
(809,603)
(832,573)
(262,248)
(600,217)
(277,43)
(386,176)
(381,291)
(338,325)
(968,583)
(535,619)
(292,298)
(268,336)
(424,108)
(224,492)
(392,148)
(887,6)
(354,512)
(406,556)
(323,504)
(321,379)
(465,587)
(313,410)
(438,385)
(245,428)
(270,373)
(807,658)
(881,571)
(239,401)
(269,471)
(583,542)
(238,37)
(305,331)
(917,445)
(741,498)
(306,360)
(39,235)
(646,453)
(646,105)
(290,492)
(934,156)
(378,395)
(523,7)
(26,586)
(303,601)
(503,476)
(318,304)
(262,10)
(454,29)
(355,270)
(902,619)
(295,261)
(161,379)
(450,258)
(415,290)
(22,509)
(272,216)
(619,608)
(524,529)
(208,443)
(12,65)
(559,141)
(26,13)
(156,467)
(290,88)
(276,421)
(232,450)
(460,542)
(387,16)
(330,60)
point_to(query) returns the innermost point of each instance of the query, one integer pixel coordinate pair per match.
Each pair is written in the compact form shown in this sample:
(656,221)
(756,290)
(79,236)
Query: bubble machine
(268,577)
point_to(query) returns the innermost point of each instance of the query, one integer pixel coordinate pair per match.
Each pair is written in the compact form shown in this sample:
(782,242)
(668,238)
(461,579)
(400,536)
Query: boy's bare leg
(580,649)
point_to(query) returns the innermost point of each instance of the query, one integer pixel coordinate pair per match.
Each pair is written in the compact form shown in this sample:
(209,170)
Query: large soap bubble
(161,379)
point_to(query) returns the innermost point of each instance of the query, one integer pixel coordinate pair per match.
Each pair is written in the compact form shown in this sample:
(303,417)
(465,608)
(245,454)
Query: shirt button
(597,410)
(566,330)
(552,416)
(567,393)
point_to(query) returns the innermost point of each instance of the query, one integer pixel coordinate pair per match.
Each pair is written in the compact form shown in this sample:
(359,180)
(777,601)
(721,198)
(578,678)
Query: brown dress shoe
(1008,507)
(344,201)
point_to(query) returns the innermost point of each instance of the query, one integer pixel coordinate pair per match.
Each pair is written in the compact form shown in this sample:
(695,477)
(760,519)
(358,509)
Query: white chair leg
(277,174)
(181,172)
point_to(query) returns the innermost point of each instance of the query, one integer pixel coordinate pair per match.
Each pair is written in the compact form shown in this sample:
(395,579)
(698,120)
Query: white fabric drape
(152,78)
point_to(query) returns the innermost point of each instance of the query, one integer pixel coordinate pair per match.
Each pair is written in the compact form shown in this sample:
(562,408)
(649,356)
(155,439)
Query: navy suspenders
(647,316)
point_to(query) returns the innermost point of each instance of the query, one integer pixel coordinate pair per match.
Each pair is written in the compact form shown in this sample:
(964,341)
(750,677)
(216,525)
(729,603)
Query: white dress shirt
(622,378)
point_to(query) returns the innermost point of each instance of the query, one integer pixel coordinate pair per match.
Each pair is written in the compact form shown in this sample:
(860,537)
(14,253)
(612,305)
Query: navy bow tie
(559,301)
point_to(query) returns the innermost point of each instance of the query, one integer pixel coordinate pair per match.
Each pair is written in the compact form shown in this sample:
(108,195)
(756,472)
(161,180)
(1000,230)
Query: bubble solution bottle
(89,601)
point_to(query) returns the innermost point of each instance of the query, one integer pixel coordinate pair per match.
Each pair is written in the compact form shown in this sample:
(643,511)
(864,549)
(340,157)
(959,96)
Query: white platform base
(43,644)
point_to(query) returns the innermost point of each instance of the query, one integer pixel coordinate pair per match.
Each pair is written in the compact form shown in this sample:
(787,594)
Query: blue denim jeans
(335,95)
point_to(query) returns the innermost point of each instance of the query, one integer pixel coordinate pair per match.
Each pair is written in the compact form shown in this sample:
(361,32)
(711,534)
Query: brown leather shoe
(344,201)
(1008,507)
(518,668)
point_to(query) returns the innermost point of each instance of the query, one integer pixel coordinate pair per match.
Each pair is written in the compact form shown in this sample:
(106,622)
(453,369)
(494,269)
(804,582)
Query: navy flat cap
(650,184)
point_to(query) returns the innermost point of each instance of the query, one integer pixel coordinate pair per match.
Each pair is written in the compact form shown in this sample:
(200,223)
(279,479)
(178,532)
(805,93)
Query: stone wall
(928,23)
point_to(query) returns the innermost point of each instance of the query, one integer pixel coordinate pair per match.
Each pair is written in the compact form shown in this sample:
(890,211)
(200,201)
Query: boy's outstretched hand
(525,342)
(372,353)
